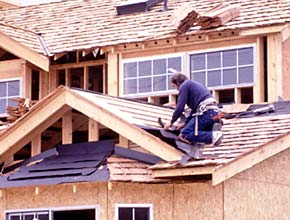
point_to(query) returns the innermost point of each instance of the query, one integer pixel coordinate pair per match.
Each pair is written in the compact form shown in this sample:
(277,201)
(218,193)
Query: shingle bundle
(185,17)
(15,112)
(218,16)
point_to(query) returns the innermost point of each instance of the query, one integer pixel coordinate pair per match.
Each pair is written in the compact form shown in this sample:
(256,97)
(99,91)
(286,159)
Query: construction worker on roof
(203,123)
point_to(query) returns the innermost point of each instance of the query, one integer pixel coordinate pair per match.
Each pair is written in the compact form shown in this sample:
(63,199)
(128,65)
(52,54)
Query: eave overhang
(14,47)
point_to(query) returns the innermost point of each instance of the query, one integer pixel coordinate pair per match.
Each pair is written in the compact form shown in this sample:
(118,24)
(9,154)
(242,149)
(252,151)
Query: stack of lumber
(218,16)
(185,17)
(15,112)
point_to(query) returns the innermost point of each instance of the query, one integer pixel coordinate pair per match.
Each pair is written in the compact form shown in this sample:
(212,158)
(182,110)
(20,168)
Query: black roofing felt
(81,162)
(70,163)
(142,157)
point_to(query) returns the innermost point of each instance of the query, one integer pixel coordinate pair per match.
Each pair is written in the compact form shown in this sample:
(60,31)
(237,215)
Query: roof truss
(54,106)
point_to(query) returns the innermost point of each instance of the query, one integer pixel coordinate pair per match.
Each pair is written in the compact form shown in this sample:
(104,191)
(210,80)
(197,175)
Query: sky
(33,2)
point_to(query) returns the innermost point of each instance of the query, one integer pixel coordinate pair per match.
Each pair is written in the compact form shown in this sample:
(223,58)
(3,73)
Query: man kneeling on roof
(203,123)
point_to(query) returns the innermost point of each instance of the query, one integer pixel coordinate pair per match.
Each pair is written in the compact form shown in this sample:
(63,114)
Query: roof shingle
(77,24)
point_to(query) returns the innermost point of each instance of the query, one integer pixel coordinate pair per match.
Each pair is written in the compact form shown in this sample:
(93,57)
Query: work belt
(205,105)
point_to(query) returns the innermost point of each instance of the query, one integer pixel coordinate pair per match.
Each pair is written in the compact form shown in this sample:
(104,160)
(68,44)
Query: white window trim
(154,57)
(132,205)
(20,85)
(241,85)
(55,209)
(14,79)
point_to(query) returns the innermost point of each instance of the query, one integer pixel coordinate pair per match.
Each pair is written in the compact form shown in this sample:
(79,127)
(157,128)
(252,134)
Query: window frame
(20,89)
(231,86)
(51,210)
(133,205)
(149,58)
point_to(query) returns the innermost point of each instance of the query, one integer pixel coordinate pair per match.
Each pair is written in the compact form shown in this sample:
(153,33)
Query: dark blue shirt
(190,93)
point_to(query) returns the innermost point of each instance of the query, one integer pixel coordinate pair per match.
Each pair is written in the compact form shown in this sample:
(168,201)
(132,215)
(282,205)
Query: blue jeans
(205,123)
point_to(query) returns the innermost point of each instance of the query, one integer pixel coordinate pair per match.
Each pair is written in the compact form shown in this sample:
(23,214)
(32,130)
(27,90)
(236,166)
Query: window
(39,215)
(134,212)
(226,68)
(72,213)
(151,75)
(9,89)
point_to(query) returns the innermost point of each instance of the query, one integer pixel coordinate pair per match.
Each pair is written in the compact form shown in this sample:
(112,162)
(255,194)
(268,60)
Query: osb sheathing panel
(286,68)
(198,201)
(54,196)
(261,192)
(2,203)
(160,195)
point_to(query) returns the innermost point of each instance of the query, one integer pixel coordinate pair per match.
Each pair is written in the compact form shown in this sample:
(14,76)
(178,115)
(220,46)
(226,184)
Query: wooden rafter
(23,52)
(50,109)
(115,122)
(188,171)
(40,117)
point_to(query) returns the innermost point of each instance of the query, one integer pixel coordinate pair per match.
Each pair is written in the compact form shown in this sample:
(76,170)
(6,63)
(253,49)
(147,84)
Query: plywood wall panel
(52,196)
(161,195)
(252,200)
(2,203)
(275,170)
(198,201)
(261,192)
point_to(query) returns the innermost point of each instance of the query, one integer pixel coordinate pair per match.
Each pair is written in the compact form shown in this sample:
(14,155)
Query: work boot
(217,137)
(217,134)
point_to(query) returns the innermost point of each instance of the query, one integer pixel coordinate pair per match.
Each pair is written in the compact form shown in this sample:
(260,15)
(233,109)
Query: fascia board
(24,52)
(250,159)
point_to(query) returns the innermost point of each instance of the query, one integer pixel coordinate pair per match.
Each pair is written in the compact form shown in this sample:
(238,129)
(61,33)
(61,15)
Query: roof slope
(247,141)
(63,29)
(51,108)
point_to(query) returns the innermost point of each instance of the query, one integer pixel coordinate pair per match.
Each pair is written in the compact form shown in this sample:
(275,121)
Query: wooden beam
(187,171)
(259,87)
(86,78)
(27,136)
(23,52)
(67,77)
(67,128)
(238,96)
(262,31)
(52,80)
(113,73)
(27,75)
(216,95)
(43,84)
(110,118)
(124,142)
(56,138)
(274,53)
(94,130)
(36,145)
(58,55)
(40,115)
(249,160)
